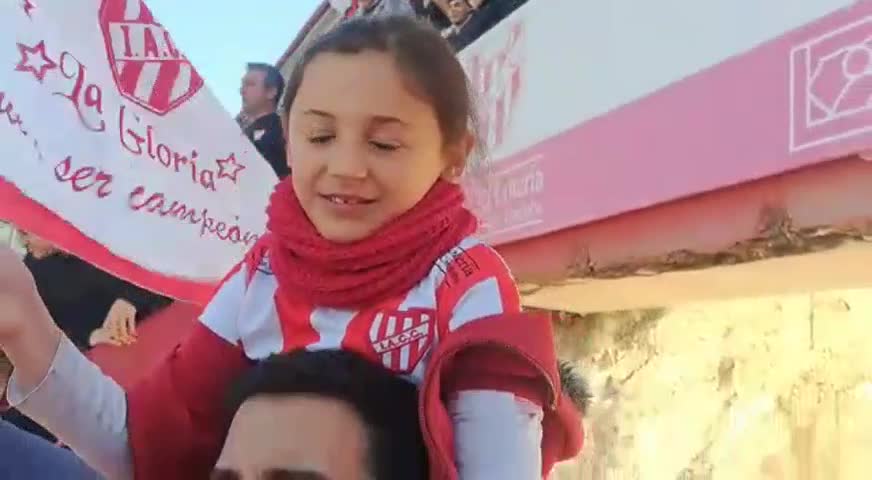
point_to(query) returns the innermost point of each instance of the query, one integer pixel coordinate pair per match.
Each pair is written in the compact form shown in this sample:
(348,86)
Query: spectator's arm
(272,147)
(145,301)
(80,337)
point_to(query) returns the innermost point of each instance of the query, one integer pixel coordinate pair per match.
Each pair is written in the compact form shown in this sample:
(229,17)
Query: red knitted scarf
(387,263)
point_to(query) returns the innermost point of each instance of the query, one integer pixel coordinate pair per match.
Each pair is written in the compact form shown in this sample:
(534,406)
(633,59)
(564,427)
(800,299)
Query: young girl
(370,250)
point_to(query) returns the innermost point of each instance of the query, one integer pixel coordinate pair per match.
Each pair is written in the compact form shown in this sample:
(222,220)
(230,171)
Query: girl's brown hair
(422,55)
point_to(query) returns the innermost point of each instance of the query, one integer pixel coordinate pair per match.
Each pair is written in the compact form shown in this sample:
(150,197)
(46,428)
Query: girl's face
(363,148)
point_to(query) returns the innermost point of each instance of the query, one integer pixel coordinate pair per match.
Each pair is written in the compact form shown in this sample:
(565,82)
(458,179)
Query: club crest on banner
(147,67)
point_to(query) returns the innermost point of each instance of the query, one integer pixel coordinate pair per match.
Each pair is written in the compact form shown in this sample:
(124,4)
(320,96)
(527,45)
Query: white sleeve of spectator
(84,408)
(496,435)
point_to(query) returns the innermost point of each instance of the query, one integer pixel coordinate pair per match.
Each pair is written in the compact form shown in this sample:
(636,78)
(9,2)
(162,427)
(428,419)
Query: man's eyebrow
(285,474)
(224,474)
(272,474)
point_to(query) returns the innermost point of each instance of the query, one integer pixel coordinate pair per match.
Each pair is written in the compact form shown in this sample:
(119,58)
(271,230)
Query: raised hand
(28,335)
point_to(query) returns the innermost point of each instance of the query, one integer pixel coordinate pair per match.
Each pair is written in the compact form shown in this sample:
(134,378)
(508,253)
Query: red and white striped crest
(148,68)
(402,338)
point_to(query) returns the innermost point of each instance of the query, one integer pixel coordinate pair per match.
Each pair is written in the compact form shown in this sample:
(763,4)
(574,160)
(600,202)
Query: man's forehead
(255,74)
(294,437)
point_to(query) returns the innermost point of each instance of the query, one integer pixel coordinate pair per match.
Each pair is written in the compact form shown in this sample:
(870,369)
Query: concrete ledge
(847,266)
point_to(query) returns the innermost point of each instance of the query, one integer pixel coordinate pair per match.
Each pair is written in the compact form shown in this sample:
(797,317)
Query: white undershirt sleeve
(83,407)
(496,435)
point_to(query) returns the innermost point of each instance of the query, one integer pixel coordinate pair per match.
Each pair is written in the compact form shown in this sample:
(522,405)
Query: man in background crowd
(463,21)
(261,90)
(358,8)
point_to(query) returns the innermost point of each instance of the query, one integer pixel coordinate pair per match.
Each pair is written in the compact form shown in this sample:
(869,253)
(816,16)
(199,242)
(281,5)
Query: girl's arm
(171,424)
(496,411)
(497,434)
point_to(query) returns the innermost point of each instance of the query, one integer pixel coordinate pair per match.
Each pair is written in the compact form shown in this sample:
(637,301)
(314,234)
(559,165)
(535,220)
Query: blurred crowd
(460,21)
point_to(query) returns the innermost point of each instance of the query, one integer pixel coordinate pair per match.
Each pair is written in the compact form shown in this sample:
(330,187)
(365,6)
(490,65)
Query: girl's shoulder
(257,258)
(473,280)
(471,260)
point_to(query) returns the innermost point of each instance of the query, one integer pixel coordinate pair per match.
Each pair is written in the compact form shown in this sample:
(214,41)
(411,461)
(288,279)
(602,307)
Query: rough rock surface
(776,388)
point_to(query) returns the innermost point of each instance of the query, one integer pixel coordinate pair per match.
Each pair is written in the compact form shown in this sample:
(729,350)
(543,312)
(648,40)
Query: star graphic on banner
(39,68)
(28,7)
(229,165)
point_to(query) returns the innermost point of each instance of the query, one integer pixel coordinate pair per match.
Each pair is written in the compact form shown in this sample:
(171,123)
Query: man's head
(261,89)
(327,415)
(457,11)
(37,246)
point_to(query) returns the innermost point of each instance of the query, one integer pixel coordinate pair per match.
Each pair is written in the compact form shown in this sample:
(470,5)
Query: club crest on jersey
(402,338)
(147,67)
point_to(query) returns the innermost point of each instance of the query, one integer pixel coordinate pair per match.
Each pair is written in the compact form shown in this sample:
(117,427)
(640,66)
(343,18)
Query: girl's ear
(457,157)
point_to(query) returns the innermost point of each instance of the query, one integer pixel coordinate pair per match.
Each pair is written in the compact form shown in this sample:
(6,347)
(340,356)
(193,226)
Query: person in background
(91,306)
(325,414)
(26,456)
(261,89)
(459,14)
(360,8)
(463,21)
(487,14)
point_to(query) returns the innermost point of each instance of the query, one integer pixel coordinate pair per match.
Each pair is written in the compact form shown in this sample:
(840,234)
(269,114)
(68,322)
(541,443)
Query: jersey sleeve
(495,409)
(475,283)
(496,435)
(176,416)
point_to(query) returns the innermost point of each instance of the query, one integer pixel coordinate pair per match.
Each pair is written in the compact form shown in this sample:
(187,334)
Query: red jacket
(518,356)
(509,352)
(176,418)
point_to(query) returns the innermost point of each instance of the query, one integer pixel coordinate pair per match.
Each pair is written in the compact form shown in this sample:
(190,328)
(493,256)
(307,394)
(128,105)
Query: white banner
(109,137)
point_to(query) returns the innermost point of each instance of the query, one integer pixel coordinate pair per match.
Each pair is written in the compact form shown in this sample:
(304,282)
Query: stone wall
(775,388)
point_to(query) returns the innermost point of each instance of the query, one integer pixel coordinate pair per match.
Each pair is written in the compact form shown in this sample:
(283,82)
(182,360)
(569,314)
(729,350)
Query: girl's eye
(387,147)
(321,139)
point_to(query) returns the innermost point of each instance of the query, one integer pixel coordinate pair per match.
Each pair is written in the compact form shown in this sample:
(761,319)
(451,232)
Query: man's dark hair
(387,404)
(272,78)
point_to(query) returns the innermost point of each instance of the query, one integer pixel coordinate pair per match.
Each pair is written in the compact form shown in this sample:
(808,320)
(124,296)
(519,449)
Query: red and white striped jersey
(469,282)
(499,386)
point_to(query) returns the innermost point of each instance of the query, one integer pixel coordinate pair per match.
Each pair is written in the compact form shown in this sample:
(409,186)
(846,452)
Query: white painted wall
(584,58)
